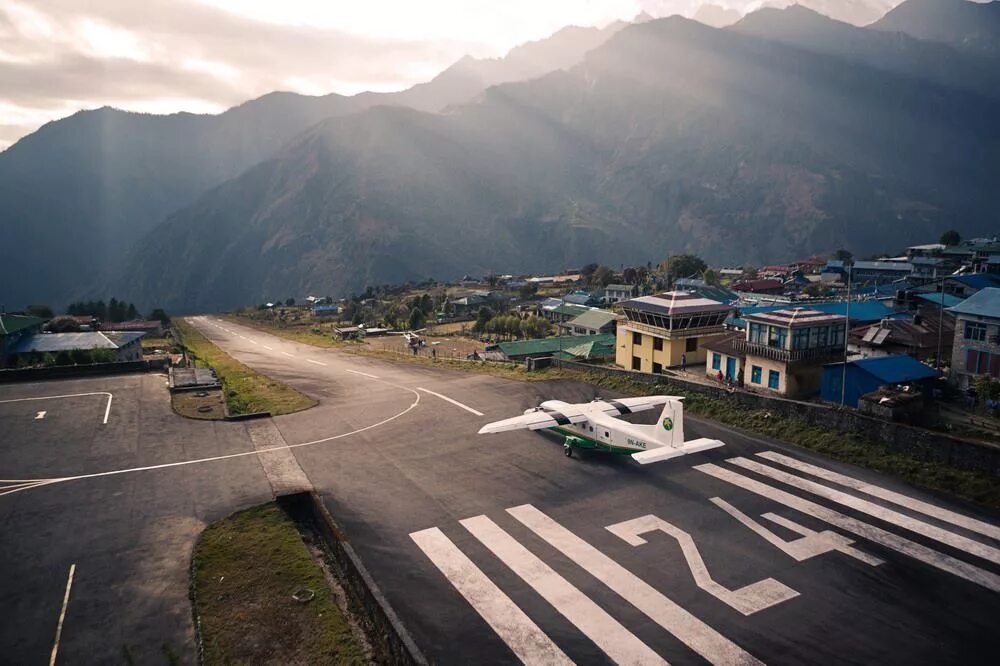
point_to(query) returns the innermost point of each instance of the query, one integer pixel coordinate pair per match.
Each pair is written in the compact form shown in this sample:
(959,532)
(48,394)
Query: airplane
(592,425)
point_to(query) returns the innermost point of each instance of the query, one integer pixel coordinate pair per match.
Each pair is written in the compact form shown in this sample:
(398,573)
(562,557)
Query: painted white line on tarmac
(454,402)
(40,415)
(363,374)
(676,620)
(862,529)
(527,641)
(288,355)
(62,615)
(875,510)
(309,360)
(267,348)
(107,410)
(956,519)
(620,644)
(748,599)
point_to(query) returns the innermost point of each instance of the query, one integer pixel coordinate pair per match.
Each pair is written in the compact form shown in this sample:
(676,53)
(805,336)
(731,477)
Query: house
(871,374)
(592,322)
(12,329)
(920,337)
(765,286)
(785,349)
(563,313)
(968,284)
(879,272)
(775,271)
(566,346)
(667,330)
(124,345)
(325,310)
(857,312)
(926,269)
(976,347)
(151,327)
(469,305)
(834,271)
(580,297)
(724,358)
(705,290)
(614,293)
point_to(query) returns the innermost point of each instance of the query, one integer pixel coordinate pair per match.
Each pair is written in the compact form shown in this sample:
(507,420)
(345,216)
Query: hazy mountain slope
(716,16)
(896,52)
(670,137)
(75,195)
(968,26)
(855,12)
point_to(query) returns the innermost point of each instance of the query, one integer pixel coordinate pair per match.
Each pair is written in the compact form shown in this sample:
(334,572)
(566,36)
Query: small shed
(870,374)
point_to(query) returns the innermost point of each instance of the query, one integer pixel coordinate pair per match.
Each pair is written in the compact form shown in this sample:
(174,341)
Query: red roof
(758,285)
(134,325)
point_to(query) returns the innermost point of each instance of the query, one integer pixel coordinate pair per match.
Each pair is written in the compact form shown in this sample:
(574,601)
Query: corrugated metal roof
(571,309)
(985,303)
(949,300)
(861,311)
(594,319)
(674,302)
(895,369)
(977,280)
(57,342)
(552,345)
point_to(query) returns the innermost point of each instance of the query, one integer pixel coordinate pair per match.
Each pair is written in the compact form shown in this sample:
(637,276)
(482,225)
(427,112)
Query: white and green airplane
(592,425)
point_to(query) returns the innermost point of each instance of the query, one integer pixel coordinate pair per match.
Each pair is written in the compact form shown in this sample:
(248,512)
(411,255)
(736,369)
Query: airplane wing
(619,406)
(536,420)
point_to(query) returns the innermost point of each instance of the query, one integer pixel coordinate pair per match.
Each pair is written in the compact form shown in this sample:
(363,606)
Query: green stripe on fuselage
(589,443)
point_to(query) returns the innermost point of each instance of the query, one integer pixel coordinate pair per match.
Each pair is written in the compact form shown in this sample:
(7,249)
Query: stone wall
(909,440)
(76,371)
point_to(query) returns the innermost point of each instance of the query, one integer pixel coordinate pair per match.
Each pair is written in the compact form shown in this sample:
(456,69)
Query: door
(730,369)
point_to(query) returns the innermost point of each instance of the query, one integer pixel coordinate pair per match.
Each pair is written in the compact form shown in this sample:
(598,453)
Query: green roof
(593,348)
(593,319)
(571,309)
(542,346)
(14,323)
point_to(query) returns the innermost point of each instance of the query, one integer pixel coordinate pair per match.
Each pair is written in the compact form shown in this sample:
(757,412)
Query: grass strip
(246,391)
(244,571)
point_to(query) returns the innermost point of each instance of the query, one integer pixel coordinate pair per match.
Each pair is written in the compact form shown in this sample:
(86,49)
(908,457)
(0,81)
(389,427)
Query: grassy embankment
(245,569)
(245,391)
(972,486)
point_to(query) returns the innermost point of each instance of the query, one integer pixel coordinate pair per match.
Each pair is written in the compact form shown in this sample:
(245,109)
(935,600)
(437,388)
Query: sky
(204,56)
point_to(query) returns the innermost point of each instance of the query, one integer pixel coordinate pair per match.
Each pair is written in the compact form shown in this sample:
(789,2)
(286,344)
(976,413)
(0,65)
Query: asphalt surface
(489,548)
(913,581)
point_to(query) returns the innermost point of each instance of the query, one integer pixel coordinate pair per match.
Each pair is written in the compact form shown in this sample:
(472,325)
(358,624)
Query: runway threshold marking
(107,409)
(454,402)
(676,620)
(957,519)
(363,374)
(620,644)
(860,528)
(939,534)
(62,615)
(525,639)
(309,360)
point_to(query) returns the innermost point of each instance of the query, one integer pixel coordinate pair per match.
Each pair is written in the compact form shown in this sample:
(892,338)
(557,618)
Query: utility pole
(847,329)
(937,356)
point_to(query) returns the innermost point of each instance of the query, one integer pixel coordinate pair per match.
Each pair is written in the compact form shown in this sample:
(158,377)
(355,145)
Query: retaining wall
(916,442)
(74,371)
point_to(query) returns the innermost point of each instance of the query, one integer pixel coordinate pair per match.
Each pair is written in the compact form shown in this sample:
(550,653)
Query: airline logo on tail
(668,423)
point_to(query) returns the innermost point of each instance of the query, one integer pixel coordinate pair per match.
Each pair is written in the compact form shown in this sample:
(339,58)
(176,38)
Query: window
(636,363)
(691,344)
(975,331)
(658,344)
(636,338)
(657,368)
(800,338)
(755,371)
(977,362)
(837,339)
(716,361)
(757,334)
(773,379)
(776,337)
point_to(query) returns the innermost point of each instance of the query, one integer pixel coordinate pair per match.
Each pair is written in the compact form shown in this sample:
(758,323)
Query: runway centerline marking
(288,355)
(906,501)
(267,348)
(40,415)
(107,410)
(860,528)
(309,360)
(525,639)
(363,374)
(62,615)
(620,644)
(454,402)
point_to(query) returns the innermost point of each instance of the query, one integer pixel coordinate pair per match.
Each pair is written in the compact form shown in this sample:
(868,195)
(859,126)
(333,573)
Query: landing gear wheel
(568,450)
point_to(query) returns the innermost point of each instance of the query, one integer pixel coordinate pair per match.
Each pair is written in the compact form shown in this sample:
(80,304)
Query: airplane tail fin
(669,428)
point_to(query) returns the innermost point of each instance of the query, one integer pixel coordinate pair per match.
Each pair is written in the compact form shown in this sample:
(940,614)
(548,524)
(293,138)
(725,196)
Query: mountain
(716,16)
(855,12)
(972,27)
(79,192)
(895,52)
(670,137)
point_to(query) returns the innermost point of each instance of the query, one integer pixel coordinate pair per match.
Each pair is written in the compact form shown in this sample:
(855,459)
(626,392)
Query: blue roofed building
(867,375)
(967,285)
(857,312)
(976,348)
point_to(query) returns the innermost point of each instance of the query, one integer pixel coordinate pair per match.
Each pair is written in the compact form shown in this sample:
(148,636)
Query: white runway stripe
(62,616)
(876,511)
(525,639)
(315,362)
(862,529)
(956,519)
(687,628)
(363,374)
(288,355)
(616,641)
(454,402)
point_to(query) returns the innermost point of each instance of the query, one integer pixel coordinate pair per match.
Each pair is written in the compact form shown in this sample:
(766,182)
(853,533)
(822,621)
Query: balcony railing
(816,355)
(668,332)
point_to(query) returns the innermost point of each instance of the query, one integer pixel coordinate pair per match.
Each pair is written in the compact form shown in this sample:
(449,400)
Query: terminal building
(667,330)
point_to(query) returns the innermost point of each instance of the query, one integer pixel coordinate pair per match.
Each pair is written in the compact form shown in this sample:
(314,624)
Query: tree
(630,276)
(289,302)
(527,291)
(534,327)
(160,315)
(815,289)
(682,265)
(484,316)
(842,255)
(131,313)
(711,277)
(43,311)
(417,319)
(602,277)
(64,325)
(587,271)
(951,237)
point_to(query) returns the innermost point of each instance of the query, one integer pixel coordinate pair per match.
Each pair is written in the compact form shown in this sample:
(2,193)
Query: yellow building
(667,330)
